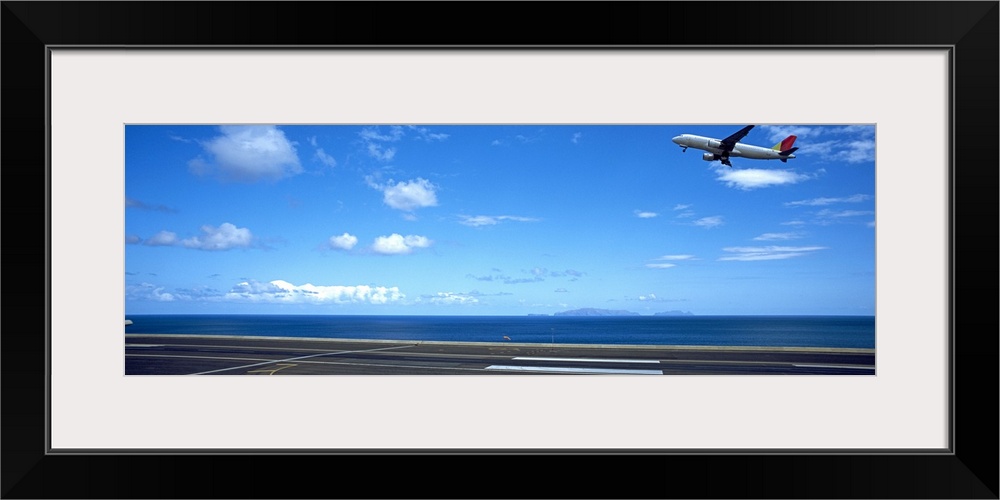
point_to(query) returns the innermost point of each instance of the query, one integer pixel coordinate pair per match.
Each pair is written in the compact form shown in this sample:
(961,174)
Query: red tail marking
(787,143)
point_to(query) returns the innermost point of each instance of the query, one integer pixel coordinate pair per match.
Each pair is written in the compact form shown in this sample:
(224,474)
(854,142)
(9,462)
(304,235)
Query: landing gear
(684,149)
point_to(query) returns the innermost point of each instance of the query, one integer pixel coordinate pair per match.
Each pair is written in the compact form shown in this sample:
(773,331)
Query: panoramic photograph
(531,249)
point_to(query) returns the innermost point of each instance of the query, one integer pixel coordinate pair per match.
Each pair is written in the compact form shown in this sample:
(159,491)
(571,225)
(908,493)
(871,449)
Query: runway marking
(590,360)
(253,347)
(225,358)
(299,358)
(315,362)
(852,367)
(380,365)
(270,371)
(572,370)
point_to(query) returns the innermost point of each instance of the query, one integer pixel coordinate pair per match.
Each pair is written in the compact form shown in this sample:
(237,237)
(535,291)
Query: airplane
(730,146)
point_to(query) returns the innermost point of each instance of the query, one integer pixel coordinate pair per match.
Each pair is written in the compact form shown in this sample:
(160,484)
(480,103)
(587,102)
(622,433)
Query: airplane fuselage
(740,150)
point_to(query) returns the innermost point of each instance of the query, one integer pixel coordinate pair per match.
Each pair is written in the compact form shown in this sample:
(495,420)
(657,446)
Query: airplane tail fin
(786,153)
(785,145)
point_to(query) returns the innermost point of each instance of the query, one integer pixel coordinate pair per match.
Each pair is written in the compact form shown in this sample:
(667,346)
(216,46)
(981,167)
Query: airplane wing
(730,142)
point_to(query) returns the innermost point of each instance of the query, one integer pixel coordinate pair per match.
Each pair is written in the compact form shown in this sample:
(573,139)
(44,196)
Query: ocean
(768,331)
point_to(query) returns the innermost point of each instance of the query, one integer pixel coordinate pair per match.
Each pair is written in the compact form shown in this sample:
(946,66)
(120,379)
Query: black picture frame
(969,28)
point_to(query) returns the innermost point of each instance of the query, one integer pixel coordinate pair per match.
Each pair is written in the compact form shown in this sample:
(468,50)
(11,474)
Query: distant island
(589,311)
(674,313)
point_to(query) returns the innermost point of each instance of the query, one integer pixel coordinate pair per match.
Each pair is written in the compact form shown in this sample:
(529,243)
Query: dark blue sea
(770,331)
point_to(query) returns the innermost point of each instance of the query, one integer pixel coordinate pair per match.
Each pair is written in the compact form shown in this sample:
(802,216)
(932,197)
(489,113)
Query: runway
(230,355)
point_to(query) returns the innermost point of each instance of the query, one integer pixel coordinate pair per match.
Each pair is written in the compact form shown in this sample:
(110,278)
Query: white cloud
(685,210)
(162,238)
(378,152)
(374,139)
(223,237)
(675,257)
(668,265)
(851,144)
(344,242)
(713,221)
(768,253)
(491,220)
(828,216)
(254,287)
(274,292)
(478,220)
(407,196)
(857,151)
(375,134)
(396,244)
(747,179)
(778,236)
(325,158)
(863,130)
(773,248)
(645,215)
(576,138)
(821,150)
(249,154)
(426,135)
(778,133)
(449,298)
(857,198)
(834,214)
(148,291)
(283,292)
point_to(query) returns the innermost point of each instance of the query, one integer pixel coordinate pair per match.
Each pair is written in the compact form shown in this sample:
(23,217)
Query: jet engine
(709,157)
(712,143)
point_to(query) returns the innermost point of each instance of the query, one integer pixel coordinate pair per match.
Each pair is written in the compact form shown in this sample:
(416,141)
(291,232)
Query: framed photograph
(912,97)
(491,249)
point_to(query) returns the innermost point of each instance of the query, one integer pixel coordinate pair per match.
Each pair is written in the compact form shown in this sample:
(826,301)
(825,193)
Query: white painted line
(298,358)
(590,360)
(852,367)
(380,365)
(314,362)
(572,370)
(231,346)
(191,357)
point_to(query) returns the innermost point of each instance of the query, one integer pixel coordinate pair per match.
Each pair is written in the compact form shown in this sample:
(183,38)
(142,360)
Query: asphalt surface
(227,355)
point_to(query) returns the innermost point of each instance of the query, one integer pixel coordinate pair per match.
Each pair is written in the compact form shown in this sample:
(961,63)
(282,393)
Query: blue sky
(495,220)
